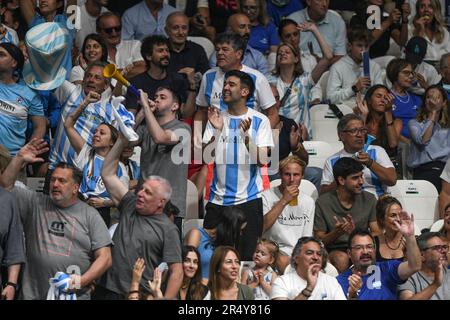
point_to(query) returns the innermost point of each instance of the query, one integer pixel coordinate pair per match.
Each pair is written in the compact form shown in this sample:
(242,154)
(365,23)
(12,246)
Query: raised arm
(28,154)
(114,186)
(75,138)
(414,261)
(27,10)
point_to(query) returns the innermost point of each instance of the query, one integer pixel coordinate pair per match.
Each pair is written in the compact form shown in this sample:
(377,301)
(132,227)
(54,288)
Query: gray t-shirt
(155,238)
(57,239)
(327,206)
(164,160)
(12,250)
(419,282)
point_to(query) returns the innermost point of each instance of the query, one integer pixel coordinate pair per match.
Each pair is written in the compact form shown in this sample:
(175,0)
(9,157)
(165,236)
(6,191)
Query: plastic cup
(293,202)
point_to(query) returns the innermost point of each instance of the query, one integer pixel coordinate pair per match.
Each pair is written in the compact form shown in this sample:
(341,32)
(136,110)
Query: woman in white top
(430,24)
(94,49)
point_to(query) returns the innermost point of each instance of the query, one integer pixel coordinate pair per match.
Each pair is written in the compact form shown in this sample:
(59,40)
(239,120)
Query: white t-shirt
(87,23)
(128,51)
(210,93)
(371,182)
(293,223)
(445,175)
(76,74)
(290,285)
(231,178)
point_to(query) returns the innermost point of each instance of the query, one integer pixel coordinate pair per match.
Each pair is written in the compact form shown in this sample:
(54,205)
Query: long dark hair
(99,39)
(228,231)
(196,290)
(382,137)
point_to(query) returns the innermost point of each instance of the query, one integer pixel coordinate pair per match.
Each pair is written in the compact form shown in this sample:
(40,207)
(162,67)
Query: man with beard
(339,211)
(62,233)
(371,280)
(432,282)
(155,51)
(239,23)
(307,281)
(163,139)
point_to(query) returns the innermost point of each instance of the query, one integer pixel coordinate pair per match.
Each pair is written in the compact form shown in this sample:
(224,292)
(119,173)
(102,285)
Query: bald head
(177,28)
(239,23)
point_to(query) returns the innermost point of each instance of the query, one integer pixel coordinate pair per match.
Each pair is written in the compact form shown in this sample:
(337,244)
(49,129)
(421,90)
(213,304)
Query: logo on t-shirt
(56,228)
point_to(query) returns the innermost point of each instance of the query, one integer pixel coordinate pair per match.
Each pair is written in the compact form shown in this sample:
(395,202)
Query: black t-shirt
(192,56)
(177,82)
(284,139)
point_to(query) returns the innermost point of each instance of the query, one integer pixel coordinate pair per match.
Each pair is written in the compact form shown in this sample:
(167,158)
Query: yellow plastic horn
(111,71)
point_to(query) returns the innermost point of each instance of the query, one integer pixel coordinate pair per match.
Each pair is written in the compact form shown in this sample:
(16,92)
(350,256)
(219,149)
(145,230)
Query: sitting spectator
(288,213)
(390,244)
(330,24)
(444,196)
(90,158)
(339,211)
(307,282)
(376,110)
(378,170)
(430,25)
(145,19)
(393,25)
(425,74)
(18,102)
(240,24)
(8,35)
(278,10)
(223,229)
(261,276)
(432,282)
(430,135)
(192,287)
(263,33)
(294,83)
(224,276)
(444,70)
(347,76)
(359,282)
(94,49)
(401,75)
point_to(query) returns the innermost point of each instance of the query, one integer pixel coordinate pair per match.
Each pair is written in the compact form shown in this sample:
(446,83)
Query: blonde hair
(423,112)
(298,70)
(292,159)
(438,24)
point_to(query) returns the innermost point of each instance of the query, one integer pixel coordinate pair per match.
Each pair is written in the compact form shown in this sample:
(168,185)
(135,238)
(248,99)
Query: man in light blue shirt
(240,24)
(330,24)
(146,18)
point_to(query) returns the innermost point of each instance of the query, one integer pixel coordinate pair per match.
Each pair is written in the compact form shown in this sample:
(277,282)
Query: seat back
(191,224)
(318,152)
(324,122)
(191,201)
(207,45)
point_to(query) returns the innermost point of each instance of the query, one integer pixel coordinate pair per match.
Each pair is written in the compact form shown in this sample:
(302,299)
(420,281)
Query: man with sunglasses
(379,172)
(307,281)
(123,53)
(432,282)
(368,279)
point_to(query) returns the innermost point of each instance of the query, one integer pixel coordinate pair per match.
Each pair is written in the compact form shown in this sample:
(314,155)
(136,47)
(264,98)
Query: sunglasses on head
(117,29)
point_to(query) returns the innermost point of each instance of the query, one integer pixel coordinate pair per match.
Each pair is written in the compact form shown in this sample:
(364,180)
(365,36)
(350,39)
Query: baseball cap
(415,50)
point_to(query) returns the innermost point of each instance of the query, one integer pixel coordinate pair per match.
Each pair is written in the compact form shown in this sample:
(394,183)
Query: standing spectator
(146,18)
(94,49)
(60,230)
(307,282)
(123,53)
(143,231)
(288,213)
(263,33)
(243,136)
(432,281)
(347,76)
(88,14)
(400,73)
(17,102)
(339,211)
(330,25)
(230,50)
(160,139)
(430,135)
(280,9)
(358,282)
(379,171)
(224,276)
(12,253)
(430,25)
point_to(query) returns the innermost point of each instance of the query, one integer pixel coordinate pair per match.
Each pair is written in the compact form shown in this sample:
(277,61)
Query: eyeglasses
(250,8)
(355,131)
(407,73)
(438,247)
(359,247)
(117,29)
